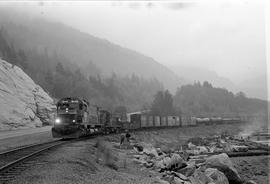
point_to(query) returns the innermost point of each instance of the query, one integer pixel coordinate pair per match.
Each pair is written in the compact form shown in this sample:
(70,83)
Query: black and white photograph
(134,92)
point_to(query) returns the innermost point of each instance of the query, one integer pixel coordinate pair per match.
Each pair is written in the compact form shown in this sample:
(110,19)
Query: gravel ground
(76,163)
(254,168)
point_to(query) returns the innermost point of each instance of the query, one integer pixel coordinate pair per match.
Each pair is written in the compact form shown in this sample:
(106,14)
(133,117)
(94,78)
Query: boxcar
(135,120)
(184,121)
(178,121)
(126,125)
(144,121)
(157,121)
(163,121)
(150,121)
(171,121)
(193,121)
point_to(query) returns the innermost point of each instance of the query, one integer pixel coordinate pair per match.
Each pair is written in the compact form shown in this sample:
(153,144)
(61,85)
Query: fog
(227,37)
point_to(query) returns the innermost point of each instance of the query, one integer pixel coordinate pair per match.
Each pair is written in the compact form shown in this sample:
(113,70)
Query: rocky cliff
(23,103)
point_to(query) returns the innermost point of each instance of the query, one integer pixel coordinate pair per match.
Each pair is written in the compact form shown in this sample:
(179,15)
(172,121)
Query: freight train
(75,117)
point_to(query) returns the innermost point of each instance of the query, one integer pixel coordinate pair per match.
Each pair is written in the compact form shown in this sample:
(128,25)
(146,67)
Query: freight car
(139,121)
(219,120)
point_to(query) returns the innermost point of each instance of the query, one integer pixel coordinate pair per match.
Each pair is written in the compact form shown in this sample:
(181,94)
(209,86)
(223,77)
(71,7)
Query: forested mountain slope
(91,54)
(60,78)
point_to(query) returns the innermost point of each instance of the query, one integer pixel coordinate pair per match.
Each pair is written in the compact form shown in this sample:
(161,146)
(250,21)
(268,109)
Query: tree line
(204,100)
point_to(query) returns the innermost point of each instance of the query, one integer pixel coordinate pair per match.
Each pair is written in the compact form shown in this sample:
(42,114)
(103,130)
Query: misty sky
(227,37)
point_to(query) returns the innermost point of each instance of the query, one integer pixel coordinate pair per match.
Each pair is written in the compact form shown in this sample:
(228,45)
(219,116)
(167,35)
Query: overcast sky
(227,37)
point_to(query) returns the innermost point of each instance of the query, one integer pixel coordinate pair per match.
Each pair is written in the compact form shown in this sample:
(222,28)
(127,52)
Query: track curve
(11,162)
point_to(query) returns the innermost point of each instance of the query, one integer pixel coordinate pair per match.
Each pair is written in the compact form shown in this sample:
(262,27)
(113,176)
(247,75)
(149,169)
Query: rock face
(223,163)
(23,103)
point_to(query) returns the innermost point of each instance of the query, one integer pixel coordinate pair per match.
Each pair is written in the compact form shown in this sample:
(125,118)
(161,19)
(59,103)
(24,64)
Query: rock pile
(198,162)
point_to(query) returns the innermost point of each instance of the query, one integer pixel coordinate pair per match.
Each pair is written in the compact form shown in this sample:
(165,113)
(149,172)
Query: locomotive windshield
(62,118)
(70,106)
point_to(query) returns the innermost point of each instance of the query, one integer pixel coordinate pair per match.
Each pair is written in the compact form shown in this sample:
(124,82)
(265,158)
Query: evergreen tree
(60,69)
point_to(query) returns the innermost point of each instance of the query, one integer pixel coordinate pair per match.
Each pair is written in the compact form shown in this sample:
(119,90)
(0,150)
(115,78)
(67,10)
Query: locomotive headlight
(57,121)
(73,121)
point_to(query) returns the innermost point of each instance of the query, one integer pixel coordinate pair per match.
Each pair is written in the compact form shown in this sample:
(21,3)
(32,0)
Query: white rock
(223,163)
(22,102)
(217,176)
(149,149)
(175,160)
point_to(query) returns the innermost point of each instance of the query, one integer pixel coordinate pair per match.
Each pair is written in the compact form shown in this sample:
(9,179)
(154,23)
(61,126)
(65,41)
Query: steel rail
(19,159)
(24,147)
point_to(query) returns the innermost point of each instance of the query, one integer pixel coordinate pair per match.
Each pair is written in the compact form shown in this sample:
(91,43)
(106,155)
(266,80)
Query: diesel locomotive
(72,118)
(75,117)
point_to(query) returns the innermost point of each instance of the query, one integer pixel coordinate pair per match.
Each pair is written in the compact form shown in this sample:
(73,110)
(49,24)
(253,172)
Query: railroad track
(14,161)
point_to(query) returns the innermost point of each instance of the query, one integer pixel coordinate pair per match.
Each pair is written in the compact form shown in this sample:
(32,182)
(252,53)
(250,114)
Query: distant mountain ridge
(202,74)
(90,53)
(255,86)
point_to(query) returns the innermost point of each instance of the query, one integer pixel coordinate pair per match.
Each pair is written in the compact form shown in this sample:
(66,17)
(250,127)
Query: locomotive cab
(72,114)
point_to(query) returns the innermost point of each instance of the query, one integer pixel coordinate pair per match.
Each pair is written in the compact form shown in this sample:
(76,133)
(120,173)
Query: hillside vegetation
(67,62)
(204,100)
(91,54)
(60,78)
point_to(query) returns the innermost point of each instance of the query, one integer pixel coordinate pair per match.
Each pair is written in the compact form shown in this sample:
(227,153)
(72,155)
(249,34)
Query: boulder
(202,149)
(191,146)
(149,150)
(138,147)
(184,155)
(159,164)
(148,164)
(199,177)
(223,163)
(159,151)
(175,161)
(166,149)
(217,176)
(188,170)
